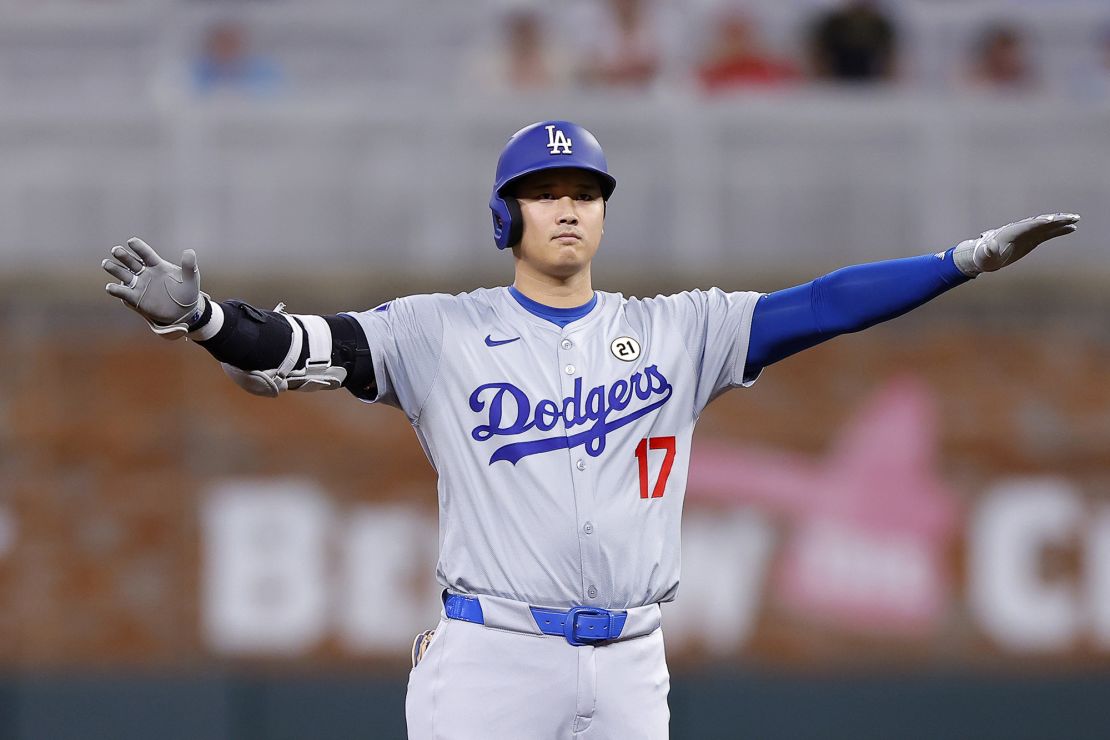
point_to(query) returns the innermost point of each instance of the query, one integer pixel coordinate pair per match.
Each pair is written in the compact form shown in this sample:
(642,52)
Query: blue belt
(580,625)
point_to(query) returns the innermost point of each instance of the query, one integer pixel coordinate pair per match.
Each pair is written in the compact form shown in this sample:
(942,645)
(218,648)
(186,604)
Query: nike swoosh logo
(491,342)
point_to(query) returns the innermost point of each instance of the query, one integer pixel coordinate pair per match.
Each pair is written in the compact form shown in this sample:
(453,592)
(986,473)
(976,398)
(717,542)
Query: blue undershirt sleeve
(847,300)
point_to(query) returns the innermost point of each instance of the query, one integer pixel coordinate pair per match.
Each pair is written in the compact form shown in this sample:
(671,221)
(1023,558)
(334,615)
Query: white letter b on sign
(265,572)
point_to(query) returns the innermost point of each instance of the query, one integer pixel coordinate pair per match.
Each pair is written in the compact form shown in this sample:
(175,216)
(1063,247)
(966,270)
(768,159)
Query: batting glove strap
(181,327)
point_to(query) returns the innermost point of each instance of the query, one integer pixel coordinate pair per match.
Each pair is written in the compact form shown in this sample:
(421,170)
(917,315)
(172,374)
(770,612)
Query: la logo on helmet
(557,141)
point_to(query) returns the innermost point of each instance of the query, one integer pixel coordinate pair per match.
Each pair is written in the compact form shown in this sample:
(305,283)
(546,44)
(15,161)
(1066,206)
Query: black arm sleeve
(252,339)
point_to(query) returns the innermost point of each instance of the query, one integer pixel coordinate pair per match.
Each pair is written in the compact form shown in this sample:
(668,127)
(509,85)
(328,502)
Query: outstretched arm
(854,298)
(265,352)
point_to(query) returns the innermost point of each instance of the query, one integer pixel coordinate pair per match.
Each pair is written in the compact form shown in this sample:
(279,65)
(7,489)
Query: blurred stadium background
(904,533)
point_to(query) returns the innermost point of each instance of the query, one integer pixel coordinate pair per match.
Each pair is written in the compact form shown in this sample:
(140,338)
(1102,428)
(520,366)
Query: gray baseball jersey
(562,453)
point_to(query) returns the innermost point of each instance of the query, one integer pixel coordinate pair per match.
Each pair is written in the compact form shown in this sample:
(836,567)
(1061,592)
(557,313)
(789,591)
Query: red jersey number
(655,443)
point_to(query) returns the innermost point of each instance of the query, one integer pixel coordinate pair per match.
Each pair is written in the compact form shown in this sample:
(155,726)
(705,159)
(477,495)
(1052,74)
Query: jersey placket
(572,359)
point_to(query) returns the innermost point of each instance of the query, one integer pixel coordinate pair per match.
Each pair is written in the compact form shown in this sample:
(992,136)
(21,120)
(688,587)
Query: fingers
(1059,218)
(129,260)
(118,271)
(122,292)
(1060,231)
(149,257)
(1037,228)
(189,274)
(1043,230)
(1048,222)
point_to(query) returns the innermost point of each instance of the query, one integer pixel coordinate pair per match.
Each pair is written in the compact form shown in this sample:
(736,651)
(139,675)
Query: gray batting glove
(997,248)
(166,295)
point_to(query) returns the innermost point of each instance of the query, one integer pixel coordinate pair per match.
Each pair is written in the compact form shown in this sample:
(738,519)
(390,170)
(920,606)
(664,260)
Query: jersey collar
(558,316)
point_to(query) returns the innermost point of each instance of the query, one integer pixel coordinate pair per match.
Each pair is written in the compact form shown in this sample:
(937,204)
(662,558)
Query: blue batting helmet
(542,146)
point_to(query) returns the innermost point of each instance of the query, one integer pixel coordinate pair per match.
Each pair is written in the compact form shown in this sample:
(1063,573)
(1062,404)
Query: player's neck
(555,292)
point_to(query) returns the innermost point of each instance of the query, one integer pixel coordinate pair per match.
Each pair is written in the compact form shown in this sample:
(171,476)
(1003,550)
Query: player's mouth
(567,237)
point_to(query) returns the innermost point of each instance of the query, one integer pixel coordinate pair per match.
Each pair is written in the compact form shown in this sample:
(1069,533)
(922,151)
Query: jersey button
(588,528)
(569,369)
(581,465)
(592,592)
(567,344)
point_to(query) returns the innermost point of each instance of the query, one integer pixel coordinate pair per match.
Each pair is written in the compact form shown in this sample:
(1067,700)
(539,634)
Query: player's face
(563,218)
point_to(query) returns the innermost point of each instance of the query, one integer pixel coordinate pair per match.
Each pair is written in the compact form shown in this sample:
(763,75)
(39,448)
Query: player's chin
(575,249)
(571,259)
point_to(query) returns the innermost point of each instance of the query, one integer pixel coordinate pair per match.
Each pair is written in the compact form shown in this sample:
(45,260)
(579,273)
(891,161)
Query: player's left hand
(996,248)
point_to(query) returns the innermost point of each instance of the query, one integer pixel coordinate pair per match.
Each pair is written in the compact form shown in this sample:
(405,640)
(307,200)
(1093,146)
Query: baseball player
(559,420)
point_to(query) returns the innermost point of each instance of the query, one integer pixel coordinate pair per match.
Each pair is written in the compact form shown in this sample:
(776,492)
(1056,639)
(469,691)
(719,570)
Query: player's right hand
(166,295)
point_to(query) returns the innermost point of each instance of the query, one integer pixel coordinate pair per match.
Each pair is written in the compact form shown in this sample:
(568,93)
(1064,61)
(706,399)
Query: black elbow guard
(350,350)
(250,339)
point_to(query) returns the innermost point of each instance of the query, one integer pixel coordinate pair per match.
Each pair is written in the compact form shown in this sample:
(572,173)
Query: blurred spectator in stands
(738,58)
(1104,58)
(226,63)
(855,42)
(628,51)
(1000,60)
(524,58)
(1095,80)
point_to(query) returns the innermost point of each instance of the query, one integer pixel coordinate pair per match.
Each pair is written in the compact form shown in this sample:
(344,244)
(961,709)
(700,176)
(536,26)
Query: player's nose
(567,212)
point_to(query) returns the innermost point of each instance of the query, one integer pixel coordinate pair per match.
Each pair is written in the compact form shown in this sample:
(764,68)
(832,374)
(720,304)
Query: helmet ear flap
(516,222)
(508,225)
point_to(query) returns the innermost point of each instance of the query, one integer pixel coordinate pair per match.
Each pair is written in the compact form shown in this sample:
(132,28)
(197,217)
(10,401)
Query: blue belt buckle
(570,626)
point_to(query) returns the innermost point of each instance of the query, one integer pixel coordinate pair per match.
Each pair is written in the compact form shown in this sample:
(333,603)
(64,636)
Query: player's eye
(586,196)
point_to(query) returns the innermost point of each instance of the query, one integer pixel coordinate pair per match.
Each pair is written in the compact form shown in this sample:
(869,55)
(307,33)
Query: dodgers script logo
(510,412)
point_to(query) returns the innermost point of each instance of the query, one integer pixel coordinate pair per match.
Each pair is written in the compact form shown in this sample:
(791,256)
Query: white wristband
(211,327)
(963,256)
